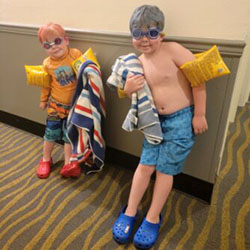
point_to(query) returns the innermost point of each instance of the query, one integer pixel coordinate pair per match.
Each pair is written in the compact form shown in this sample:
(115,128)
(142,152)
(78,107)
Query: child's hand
(199,124)
(133,84)
(43,105)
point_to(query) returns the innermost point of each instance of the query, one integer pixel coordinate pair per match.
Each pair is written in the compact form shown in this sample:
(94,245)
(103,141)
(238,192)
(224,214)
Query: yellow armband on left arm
(88,55)
(207,65)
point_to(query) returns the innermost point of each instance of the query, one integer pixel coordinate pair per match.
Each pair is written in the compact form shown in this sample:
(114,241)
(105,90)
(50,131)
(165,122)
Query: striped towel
(142,114)
(85,118)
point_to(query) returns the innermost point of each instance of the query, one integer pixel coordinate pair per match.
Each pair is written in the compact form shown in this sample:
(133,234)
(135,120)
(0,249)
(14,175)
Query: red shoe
(71,170)
(43,170)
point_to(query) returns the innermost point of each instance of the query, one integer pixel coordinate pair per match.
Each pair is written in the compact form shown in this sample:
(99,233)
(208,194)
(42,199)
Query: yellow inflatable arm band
(37,76)
(88,55)
(121,93)
(207,65)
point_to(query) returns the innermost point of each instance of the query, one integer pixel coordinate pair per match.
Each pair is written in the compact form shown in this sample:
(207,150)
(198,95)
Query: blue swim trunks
(169,156)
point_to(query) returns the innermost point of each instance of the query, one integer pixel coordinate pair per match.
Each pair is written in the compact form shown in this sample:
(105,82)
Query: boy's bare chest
(160,72)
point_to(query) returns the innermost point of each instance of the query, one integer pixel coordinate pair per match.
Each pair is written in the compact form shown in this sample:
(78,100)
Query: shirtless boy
(181,110)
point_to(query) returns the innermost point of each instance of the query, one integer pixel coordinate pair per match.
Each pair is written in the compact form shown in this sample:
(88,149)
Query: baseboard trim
(182,182)
(22,123)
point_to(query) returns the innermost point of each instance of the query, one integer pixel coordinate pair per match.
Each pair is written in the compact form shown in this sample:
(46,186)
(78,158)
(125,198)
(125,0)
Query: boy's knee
(146,169)
(164,176)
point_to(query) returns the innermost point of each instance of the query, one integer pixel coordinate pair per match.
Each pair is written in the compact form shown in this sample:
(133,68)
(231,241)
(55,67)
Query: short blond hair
(50,27)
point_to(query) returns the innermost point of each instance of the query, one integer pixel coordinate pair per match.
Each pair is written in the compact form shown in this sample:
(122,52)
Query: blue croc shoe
(147,234)
(123,227)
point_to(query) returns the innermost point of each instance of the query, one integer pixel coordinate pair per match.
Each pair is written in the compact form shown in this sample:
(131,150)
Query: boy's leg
(163,186)
(67,152)
(147,233)
(52,133)
(123,226)
(70,169)
(47,150)
(140,183)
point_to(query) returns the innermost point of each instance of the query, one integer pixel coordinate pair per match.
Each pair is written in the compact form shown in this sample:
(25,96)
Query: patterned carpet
(73,214)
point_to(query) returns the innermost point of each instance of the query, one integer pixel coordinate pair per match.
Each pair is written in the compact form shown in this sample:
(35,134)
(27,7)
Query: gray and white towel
(142,114)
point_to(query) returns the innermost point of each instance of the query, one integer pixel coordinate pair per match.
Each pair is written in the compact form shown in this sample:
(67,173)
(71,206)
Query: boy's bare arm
(199,119)
(182,55)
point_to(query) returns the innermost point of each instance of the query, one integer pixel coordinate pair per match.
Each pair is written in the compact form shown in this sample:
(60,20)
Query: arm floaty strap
(37,76)
(207,65)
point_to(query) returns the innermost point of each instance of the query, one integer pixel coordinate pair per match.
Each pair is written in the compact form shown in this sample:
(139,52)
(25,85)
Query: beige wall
(242,80)
(223,19)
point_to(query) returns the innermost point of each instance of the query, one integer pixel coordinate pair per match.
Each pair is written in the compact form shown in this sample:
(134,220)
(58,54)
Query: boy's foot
(147,234)
(71,170)
(123,227)
(43,170)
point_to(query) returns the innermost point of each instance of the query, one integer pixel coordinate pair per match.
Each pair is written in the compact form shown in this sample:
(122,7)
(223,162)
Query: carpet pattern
(73,214)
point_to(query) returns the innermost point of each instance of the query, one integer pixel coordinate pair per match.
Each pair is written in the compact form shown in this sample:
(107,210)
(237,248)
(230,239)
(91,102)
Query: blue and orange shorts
(56,124)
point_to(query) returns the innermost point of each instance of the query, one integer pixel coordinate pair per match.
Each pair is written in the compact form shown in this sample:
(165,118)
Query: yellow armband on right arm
(37,76)
(207,65)
(121,93)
